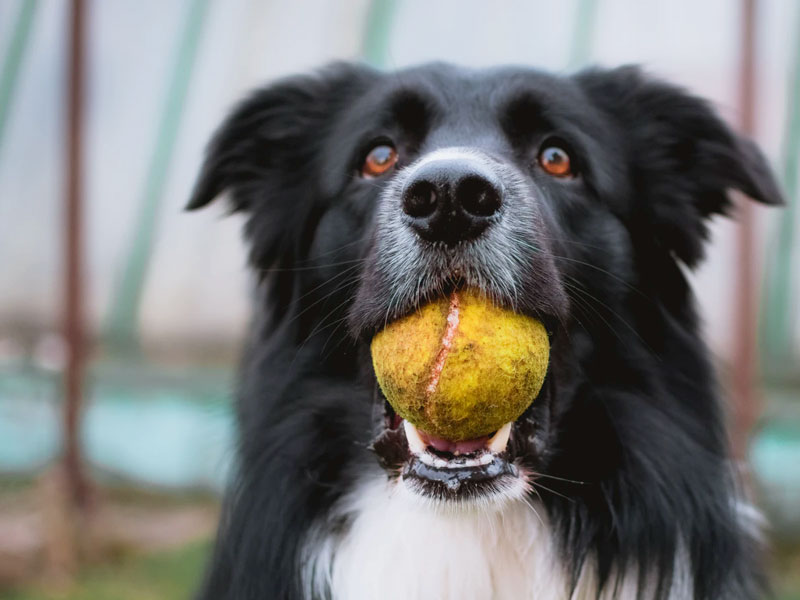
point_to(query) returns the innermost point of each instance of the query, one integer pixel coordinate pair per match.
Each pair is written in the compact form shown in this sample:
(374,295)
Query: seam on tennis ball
(445,344)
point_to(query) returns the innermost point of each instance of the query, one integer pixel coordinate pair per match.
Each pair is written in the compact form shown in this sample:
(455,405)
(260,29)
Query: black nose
(451,200)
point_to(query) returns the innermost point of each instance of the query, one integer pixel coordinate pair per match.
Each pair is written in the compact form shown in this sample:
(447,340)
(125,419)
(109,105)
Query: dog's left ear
(684,158)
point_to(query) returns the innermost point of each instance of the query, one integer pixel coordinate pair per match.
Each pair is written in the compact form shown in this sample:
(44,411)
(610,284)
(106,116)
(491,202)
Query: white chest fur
(400,547)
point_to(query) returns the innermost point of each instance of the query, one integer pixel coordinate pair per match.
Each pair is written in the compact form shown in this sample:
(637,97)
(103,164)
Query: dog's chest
(398,548)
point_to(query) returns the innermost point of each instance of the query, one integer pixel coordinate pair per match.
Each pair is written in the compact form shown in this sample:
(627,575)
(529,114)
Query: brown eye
(555,161)
(379,160)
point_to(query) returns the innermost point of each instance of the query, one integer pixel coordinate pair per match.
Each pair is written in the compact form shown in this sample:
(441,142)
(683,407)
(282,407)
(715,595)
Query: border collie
(580,200)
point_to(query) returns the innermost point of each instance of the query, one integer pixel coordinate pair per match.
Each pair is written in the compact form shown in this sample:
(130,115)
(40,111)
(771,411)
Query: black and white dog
(579,200)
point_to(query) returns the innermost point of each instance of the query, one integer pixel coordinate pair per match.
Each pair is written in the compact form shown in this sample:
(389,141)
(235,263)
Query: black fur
(634,430)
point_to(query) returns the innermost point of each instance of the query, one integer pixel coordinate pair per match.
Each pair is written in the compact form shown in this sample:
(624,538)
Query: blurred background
(121,316)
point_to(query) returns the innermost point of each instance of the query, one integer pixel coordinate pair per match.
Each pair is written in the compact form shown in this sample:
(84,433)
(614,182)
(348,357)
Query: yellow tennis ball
(461,367)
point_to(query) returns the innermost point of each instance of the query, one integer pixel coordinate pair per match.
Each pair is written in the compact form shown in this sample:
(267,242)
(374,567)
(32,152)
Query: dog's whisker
(587,296)
(339,287)
(327,316)
(328,281)
(312,267)
(547,476)
(335,250)
(533,508)
(535,484)
(585,303)
(337,324)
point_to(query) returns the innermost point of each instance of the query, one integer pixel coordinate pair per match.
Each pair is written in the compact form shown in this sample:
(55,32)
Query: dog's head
(571,199)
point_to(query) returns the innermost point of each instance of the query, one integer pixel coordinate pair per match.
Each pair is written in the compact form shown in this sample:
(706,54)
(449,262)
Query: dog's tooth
(415,442)
(499,441)
(426,458)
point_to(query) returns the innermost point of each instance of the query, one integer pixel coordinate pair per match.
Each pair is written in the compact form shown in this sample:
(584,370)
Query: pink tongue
(463,447)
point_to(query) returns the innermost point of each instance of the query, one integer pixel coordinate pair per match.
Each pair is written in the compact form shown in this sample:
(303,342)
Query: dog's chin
(489,470)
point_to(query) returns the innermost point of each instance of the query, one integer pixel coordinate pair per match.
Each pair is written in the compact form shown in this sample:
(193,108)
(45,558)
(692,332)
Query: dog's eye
(379,160)
(555,161)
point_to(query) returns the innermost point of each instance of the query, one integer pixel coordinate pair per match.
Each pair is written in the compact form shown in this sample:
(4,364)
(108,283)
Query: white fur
(396,545)
(450,153)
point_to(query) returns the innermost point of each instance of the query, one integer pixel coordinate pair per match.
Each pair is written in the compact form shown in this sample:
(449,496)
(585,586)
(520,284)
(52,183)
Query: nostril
(478,197)
(420,199)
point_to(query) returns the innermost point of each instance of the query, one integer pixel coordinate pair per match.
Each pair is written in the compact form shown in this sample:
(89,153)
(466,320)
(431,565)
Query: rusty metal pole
(73,283)
(746,399)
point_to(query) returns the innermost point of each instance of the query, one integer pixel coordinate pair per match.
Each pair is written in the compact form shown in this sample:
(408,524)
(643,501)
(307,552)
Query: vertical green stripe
(583,34)
(14,56)
(375,47)
(780,307)
(122,325)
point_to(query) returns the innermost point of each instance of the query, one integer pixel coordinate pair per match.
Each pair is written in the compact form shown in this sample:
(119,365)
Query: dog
(579,200)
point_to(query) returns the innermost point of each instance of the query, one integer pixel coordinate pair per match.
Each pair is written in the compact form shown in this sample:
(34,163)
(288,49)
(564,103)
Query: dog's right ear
(683,157)
(275,128)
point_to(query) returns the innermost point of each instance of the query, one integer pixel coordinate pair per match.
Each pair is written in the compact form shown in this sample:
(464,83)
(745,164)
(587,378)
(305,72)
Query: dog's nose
(451,200)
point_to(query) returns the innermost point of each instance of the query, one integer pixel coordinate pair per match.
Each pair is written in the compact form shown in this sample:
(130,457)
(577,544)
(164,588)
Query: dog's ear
(684,158)
(264,153)
(276,128)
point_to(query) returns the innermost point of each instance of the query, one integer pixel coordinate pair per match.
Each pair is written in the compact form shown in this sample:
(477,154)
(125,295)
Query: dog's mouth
(447,470)
(492,465)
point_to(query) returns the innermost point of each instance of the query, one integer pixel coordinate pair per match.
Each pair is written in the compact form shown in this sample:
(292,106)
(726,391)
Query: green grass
(171,575)
(175,575)
(788,586)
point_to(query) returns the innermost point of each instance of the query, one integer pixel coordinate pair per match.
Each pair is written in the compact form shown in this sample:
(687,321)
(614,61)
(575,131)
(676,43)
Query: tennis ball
(460,367)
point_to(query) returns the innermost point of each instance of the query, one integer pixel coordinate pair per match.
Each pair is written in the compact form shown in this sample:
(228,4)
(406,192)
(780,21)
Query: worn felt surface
(492,371)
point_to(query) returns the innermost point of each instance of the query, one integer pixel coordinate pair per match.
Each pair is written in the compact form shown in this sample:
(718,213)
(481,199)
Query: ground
(141,544)
(172,575)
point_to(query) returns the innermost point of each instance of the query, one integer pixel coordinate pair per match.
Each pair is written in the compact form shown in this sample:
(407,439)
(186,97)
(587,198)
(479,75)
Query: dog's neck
(393,546)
